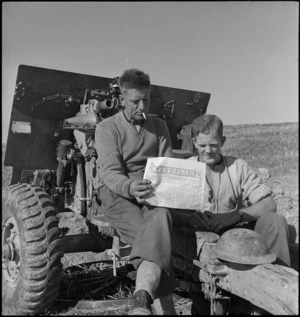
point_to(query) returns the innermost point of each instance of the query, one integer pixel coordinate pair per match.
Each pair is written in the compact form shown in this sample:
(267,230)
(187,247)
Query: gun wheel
(31,251)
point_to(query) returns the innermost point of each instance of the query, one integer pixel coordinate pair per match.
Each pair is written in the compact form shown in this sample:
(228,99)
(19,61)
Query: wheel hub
(10,252)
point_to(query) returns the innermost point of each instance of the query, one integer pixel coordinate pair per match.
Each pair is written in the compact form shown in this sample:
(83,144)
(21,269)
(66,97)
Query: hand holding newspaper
(176,183)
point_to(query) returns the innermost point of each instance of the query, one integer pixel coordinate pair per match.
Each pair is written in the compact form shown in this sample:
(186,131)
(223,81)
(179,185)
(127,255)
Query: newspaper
(177,183)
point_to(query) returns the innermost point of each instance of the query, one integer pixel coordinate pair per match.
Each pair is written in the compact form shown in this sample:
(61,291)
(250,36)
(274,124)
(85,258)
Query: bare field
(273,147)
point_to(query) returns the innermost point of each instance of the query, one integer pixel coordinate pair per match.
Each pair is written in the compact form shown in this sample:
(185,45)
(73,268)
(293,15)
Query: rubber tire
(40,270)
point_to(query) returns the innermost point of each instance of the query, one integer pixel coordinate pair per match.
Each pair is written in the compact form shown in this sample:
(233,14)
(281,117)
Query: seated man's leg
(153,240)
(153,245)
(148,230)
(274,230)
(149,233)
(123,214)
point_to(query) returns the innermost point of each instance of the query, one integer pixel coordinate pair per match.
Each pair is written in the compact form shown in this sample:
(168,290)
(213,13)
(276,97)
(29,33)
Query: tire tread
(41,251)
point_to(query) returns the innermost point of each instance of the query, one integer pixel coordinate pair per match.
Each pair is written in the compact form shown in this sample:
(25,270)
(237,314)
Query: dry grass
(94,282)
(273,146)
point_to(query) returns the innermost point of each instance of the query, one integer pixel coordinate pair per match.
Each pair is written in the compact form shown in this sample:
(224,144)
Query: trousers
(147,229)
(274,230)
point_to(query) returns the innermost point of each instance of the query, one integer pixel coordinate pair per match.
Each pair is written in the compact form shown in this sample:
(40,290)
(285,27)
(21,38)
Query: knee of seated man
(273,219)
(162,214)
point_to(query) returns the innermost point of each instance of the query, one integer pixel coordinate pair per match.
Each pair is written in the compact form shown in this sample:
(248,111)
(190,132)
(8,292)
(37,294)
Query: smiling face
(136,101)
(209,147)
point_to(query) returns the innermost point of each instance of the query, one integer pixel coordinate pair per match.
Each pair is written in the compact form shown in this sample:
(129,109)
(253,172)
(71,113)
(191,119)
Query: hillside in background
(272,146)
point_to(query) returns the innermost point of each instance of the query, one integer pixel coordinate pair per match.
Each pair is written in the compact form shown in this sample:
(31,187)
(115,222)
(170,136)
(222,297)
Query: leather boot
(141,303)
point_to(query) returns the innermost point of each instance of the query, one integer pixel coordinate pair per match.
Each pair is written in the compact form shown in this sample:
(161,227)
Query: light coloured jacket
(233,183)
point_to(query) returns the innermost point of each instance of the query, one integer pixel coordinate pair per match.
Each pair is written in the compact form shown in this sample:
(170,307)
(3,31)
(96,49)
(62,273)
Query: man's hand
(140,188)
(217,222)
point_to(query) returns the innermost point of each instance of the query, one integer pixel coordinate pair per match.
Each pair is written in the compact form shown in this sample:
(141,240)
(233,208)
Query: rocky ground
(286,195)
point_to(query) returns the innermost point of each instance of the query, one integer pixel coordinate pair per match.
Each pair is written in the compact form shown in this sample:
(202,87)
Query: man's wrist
(240,215)
(129,191)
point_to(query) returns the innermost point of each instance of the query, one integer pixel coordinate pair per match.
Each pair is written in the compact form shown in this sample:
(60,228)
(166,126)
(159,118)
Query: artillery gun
(50,147)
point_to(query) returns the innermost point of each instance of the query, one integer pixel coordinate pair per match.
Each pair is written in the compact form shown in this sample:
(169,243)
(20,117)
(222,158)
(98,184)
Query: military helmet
(243,246)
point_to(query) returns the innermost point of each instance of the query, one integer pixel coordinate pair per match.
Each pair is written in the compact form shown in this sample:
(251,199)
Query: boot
(141,303)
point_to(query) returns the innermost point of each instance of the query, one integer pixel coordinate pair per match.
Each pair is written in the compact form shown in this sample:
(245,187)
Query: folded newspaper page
(177,183)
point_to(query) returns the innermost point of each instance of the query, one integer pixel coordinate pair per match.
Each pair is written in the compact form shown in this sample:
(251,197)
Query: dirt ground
(286,195)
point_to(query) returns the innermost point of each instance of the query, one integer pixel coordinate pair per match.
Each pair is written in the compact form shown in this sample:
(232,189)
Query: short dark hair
(206,124)
(134,78)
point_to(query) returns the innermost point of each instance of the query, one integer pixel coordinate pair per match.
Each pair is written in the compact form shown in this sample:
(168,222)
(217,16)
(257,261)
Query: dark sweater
(123,152)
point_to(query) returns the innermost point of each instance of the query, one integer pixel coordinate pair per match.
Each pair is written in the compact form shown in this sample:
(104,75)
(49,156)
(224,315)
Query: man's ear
(121,98)
(223,140)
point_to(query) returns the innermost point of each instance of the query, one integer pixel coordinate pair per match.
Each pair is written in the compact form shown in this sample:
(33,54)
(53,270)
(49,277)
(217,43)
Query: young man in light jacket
(234,193)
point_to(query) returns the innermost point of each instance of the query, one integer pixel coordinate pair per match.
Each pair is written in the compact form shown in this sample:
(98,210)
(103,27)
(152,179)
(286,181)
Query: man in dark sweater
(124,142)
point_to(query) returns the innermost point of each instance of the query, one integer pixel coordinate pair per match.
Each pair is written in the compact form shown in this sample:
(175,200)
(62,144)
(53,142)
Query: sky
(245,54)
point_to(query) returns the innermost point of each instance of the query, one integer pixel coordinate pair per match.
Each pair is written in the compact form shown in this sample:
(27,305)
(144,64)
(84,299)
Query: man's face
(209,147)
(136,101)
